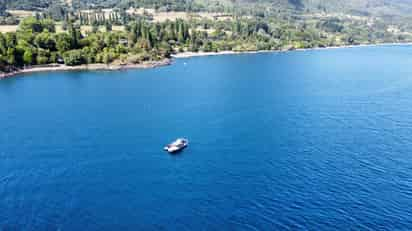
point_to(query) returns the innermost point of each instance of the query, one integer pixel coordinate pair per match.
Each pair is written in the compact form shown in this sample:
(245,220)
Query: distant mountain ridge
(365,7)
(395,7)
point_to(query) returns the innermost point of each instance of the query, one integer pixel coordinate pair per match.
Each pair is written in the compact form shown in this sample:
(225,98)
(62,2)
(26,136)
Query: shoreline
(89,67)
(165,62)
(201,54)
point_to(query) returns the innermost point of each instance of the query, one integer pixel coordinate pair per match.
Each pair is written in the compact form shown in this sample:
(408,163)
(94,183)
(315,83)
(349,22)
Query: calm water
(317,140)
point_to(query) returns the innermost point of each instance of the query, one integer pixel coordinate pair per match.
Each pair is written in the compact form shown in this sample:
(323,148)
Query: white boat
(177,145)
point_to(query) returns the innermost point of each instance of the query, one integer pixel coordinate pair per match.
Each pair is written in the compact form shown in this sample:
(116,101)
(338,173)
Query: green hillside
(125,32)
(374,7)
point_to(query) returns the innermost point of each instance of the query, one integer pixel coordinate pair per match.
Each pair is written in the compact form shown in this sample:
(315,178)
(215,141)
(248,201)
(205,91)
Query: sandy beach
(201,53)
(197,54)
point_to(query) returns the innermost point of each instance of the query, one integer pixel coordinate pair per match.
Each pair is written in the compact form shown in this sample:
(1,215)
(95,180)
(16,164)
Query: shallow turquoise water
(318,140)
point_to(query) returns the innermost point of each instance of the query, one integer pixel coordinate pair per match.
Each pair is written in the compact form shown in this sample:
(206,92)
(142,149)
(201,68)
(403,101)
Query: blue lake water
(317,140)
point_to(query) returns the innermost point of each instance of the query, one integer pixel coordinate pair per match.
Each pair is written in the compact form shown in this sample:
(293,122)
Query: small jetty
(176,146)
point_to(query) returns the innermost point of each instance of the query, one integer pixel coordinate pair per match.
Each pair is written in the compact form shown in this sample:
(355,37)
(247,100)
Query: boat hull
(174,151)
(177,146)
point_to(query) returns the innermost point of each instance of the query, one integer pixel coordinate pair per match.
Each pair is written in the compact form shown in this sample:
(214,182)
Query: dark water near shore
(317,140)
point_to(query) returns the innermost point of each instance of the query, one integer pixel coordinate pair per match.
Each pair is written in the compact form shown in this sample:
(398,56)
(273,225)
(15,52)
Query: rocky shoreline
(90,67)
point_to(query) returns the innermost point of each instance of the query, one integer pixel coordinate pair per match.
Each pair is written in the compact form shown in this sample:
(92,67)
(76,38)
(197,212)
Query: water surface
(317,140)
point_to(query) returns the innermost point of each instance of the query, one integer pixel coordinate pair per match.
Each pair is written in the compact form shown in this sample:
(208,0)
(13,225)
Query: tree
(110,40)
(237,27)
(45,40)
(95,28)
(49,25)
(42,56)
(75,36)
(195,42)
(31,25)
(107,58)
(108,26)
(11,40)
(3,64)
(2,9)
(3,44)
(63,42)
(28,57)
(65,25)
(73,58)
(181,33)
(11,57)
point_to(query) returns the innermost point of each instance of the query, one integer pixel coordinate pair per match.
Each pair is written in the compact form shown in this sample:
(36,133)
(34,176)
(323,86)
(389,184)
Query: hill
(365,7)
(124,32)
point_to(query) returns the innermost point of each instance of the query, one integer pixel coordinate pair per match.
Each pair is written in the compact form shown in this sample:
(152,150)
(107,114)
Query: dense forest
(55,34)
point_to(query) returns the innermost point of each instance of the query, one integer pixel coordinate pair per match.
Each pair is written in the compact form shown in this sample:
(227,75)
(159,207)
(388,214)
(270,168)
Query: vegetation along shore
(85,67)
(140,34)
(153,64)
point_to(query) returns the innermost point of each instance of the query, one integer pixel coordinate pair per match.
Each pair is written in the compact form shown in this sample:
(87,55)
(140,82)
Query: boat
(177,145)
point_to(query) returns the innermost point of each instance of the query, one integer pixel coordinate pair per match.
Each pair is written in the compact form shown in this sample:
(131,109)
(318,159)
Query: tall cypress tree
(75,35)
(3,8)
